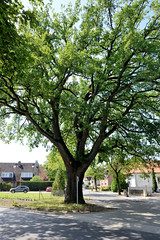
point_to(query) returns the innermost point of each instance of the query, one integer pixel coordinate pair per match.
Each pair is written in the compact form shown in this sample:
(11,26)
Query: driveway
(132,218)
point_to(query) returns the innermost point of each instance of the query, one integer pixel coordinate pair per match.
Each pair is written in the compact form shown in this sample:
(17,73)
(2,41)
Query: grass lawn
(45,202)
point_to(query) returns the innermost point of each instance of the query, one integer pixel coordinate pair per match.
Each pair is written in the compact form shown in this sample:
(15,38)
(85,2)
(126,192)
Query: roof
(10,167)
(42,174)
(148,169)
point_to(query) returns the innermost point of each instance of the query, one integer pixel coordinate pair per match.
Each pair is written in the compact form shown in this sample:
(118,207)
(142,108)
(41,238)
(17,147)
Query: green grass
(45,202)
(25,196)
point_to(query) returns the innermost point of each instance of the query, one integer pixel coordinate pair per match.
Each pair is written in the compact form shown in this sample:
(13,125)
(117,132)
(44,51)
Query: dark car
(24,189)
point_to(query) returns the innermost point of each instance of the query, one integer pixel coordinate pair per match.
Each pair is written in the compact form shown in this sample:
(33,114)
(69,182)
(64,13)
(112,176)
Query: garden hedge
(37,186)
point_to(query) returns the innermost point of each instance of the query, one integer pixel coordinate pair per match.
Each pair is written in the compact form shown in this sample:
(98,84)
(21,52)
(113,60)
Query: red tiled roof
(148,169)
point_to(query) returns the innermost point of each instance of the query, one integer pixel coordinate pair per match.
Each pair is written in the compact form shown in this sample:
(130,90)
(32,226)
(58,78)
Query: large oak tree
(82,77)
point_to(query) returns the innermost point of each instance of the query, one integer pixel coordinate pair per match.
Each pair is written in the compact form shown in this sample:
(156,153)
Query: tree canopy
(54,160)
(83,77)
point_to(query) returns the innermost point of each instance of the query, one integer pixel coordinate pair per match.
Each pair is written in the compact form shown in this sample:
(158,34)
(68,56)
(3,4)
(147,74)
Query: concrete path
(132,218)
(134,213)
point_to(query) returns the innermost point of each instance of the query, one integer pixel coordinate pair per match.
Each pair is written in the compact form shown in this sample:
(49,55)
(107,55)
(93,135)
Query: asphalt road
(132,218)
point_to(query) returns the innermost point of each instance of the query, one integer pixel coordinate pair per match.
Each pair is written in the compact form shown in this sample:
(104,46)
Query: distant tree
(59,183)
(36,178)
(116,168)
(119,163)
(154,182)
(97,171)
(52,163)
(122,184)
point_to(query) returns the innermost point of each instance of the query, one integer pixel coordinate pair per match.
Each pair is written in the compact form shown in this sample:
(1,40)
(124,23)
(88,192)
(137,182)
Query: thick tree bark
(71,188)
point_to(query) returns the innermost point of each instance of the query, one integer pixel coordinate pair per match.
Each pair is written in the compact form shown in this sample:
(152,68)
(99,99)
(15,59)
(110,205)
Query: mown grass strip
(25,196)
(47,203)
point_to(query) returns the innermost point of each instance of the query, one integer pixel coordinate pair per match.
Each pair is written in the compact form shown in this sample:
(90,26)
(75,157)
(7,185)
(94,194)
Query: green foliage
(122,183)
(96,170)
(106,188)
(36,178)
(154,182)
(38,186)
(114,185)
(5,186)
(59,183)
(82,78)
(52,164)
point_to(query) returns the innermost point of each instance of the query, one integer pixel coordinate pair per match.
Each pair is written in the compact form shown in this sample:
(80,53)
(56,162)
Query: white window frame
(7,175)
(27,175)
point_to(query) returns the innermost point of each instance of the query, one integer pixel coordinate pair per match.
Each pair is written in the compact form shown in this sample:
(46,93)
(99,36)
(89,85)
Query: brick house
(107,181)
(15,173)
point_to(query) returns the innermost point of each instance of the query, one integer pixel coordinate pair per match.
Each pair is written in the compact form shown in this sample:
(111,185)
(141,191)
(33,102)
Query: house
(15,173)
(139,180)
(107,181)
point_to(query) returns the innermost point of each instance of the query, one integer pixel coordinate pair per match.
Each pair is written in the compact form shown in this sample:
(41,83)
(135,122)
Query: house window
(27,175)
(158,179)
(7,175)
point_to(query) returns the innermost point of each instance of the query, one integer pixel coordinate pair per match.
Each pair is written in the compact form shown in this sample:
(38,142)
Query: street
(131,218)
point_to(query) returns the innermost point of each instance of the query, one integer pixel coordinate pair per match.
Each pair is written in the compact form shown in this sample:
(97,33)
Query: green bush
(114,185)
(5,186)
(59,183)
(106,188)
(36,179)
(37,186)
(122,184)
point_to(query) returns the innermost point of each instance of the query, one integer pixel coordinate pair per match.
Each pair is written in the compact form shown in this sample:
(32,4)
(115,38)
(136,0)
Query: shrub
(37,186)
(106,188)
(114,185)
(122,184)
(5,186)
(36,179)
(59,183)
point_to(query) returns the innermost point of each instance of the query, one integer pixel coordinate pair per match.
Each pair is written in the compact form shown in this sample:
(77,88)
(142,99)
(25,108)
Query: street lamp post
(89,179)
(14,171)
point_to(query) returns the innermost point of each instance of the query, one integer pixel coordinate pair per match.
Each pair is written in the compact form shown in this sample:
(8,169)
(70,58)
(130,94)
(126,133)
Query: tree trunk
(95,183)
(71,188)
(118,185)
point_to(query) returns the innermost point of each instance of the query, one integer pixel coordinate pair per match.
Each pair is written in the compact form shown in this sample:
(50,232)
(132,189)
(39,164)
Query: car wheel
(13,191)
(25,191)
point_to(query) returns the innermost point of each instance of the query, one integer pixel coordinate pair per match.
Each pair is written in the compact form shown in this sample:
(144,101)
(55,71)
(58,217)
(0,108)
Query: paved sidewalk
(133,212)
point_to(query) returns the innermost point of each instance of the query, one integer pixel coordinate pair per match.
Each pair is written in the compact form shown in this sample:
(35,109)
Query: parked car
(48,189)
(24,189)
